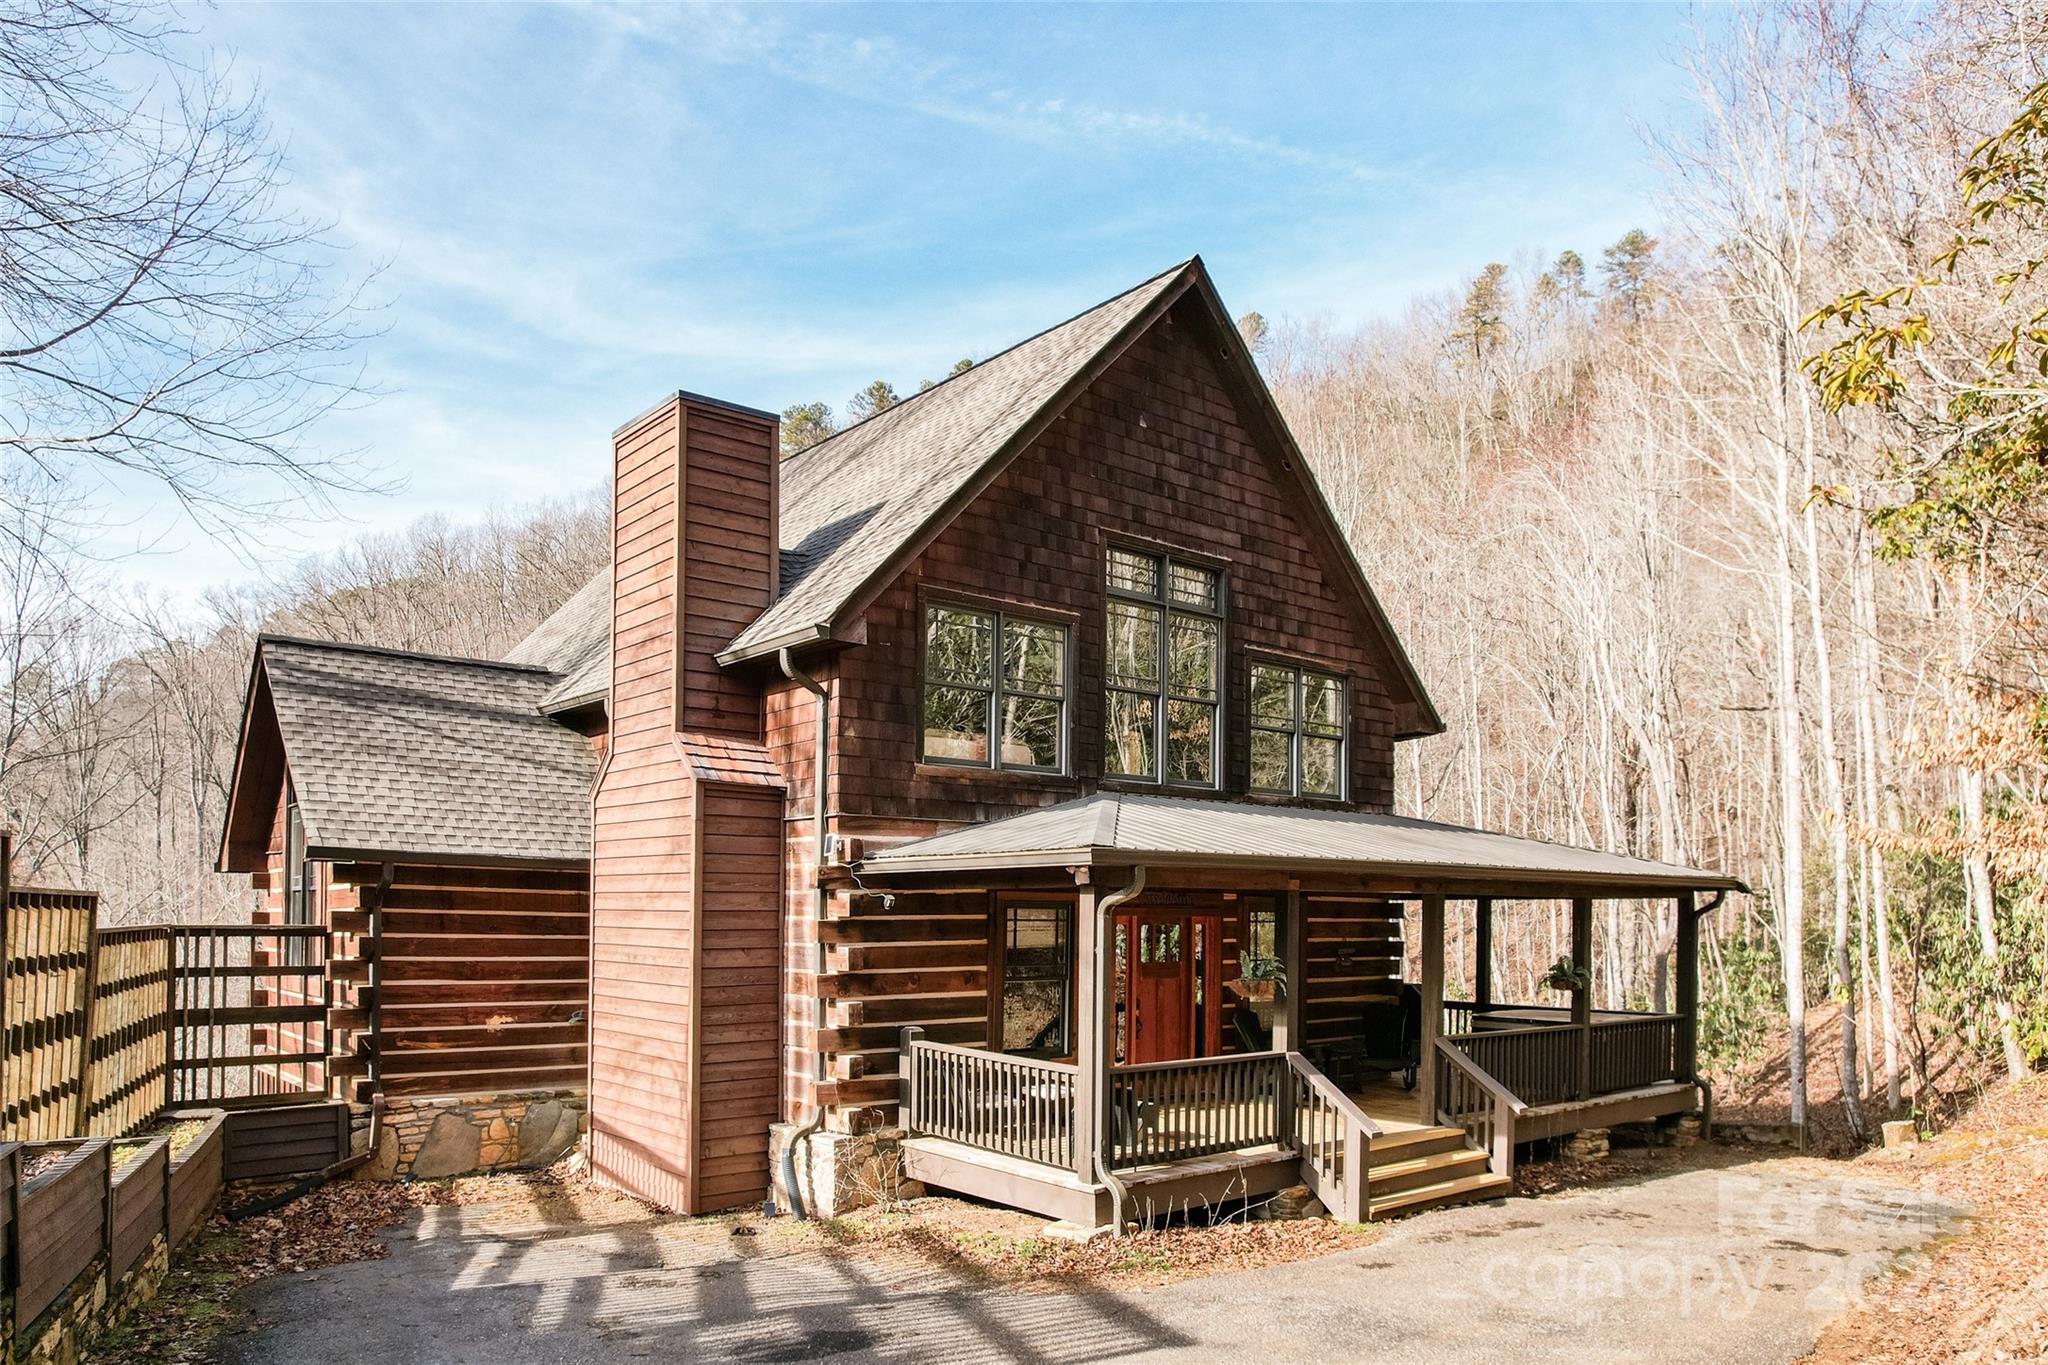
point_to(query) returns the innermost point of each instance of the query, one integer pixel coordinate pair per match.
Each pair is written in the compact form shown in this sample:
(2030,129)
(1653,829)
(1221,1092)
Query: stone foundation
(837,1172)
(1588,1144)
(60,1335)
(430,1138)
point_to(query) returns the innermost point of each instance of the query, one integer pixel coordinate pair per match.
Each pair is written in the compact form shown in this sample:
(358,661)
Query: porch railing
(1016,1106)
(1540,1063)
(1629,1053)
(1174,1111)
(1333,1137)
(1468,1098)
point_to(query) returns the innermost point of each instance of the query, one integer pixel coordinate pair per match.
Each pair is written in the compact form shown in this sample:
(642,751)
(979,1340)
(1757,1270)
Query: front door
(1158,953)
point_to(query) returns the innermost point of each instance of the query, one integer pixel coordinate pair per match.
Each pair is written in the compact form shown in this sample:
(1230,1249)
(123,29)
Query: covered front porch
(1205,1003)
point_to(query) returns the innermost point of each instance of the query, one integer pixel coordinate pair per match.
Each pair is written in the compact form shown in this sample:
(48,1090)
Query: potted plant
(1564,975)
(1261,981)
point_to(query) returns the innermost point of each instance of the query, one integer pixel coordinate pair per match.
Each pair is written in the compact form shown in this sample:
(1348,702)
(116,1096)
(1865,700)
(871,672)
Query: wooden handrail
(1185,1063)
(1009,1058)
(1489,1126)
(1336,1098)
(1479,1075)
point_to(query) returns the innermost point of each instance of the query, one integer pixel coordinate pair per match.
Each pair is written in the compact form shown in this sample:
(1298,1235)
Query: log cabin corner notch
(1075,620)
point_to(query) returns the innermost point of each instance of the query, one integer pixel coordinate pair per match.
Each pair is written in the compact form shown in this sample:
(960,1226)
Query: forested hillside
(1674,595)
(1719,543)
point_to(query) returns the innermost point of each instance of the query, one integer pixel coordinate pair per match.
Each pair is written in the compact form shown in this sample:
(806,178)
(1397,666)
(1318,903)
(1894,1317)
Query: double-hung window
(1163,670)
(995,690)
(1298,731)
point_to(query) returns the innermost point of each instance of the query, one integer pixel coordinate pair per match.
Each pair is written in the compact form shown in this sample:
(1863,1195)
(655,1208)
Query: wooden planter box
(61,1222)
(136,1206)
(194,1179)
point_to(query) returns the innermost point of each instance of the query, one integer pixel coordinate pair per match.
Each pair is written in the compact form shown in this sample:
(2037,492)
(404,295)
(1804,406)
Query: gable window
(995,689)
(1037,1005)
(1297,731)
(1164,657)
(298,885)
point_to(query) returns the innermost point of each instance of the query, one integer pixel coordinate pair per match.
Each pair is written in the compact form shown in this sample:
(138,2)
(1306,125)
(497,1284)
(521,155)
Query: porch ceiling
(1121,829)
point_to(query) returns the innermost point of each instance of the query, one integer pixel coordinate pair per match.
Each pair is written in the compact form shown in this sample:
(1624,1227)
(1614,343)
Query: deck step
(1463,1190)
(1435,1168)
(1405,1144)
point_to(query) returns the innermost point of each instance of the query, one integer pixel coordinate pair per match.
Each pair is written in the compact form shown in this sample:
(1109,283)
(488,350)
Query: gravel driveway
(1737,1264)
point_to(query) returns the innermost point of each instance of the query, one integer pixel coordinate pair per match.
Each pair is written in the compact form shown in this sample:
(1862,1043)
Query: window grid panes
(1164,667)
(1037,980)
(1297,731)
(995,690)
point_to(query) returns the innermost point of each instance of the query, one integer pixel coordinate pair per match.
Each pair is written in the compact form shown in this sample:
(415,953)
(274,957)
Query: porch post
(1686,1064)
(1432,1002)
(1089,1008)
(1287,1027)
(1482,949)
(1582,996)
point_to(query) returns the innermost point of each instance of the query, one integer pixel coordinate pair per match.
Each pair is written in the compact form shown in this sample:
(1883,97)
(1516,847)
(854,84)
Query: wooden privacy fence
(102,1028)
(67,1208)
(47,942)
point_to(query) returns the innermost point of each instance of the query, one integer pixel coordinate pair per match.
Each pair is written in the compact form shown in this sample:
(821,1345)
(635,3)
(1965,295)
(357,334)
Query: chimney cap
(686,396)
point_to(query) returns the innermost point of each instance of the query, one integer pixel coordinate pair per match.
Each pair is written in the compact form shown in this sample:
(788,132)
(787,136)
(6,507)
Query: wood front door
(1159,959)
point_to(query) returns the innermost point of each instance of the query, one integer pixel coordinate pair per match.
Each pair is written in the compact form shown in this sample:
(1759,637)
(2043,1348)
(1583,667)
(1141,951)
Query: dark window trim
(1297,730)
(1168,556)
(999,613)
(999,904)
(299,882)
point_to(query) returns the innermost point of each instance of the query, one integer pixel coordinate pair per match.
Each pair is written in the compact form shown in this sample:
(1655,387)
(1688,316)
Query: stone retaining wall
(433,1137)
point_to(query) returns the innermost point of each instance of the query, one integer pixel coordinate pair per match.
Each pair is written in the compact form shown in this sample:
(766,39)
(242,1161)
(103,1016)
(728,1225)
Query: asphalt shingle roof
(575,642)
(1124,828)
(851,502)
(392,752)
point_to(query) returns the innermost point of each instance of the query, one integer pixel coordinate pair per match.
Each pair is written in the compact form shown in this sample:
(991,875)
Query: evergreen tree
(1628,269)
(1480,322)
(804,425)
(878,396)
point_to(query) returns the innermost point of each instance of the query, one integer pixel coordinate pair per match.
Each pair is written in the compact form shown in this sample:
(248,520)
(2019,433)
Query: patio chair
(1392,1035)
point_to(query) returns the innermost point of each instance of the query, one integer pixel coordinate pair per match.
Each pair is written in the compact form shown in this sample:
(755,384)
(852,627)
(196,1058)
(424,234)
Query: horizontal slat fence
(1174,1111)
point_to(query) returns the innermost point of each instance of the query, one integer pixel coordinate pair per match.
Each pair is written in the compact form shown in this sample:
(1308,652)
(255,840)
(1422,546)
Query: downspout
(820,747)
(1107,907)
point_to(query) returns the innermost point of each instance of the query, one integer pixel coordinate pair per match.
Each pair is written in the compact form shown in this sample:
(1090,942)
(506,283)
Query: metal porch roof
(1120,829)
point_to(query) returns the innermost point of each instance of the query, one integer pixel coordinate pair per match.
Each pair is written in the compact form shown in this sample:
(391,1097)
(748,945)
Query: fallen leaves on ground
(339,1222)
(999,1248)
(1982,1294)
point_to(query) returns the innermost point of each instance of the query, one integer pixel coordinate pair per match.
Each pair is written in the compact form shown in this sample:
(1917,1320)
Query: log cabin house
(996,794)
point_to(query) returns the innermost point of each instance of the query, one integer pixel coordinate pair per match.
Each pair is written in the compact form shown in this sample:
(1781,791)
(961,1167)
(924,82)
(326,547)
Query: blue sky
(577,209)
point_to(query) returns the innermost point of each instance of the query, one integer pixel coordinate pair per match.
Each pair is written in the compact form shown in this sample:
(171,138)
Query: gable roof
(858,505)
(416,755)
(854,502)
(1120,829)
(575,642)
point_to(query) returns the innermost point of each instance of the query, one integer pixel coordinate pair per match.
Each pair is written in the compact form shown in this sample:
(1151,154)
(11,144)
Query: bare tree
(166,315)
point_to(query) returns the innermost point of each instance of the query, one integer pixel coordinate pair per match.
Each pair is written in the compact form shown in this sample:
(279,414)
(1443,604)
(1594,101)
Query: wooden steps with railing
(1413,1169)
